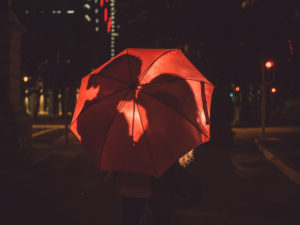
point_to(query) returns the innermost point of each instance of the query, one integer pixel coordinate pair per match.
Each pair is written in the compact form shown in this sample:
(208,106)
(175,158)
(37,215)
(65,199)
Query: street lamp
(273,90)
(268,75)
(269,72)
(25,79)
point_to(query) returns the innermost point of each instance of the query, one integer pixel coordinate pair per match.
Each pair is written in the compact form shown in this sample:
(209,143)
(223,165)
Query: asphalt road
(224,185)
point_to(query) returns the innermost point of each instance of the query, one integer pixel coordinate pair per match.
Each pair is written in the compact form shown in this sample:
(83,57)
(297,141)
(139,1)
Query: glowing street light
(273,90)
(269,64)
(237,89)
(25,79)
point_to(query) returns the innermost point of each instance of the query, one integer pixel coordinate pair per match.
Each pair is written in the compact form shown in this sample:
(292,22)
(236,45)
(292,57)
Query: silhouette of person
(167,92)
(114,84)
(116,91)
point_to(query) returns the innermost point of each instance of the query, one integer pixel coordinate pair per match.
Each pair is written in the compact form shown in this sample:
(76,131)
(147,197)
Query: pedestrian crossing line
(43,132)
(41,126)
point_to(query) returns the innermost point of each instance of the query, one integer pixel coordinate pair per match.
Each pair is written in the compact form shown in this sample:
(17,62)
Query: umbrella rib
(144,73)
(204,103)
(151,96)
(111,122)
(96,101)
(133,111)
(147,141)
(177,80)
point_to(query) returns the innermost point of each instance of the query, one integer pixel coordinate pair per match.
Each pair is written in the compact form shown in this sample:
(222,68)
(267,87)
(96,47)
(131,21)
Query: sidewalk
(59,185)
(284,155)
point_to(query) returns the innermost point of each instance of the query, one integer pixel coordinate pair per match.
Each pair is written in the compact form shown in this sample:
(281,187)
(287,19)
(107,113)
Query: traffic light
(273,90)
(269,72)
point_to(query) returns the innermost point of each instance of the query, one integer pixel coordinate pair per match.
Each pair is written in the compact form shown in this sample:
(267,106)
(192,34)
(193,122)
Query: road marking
(43,132)
(59,126)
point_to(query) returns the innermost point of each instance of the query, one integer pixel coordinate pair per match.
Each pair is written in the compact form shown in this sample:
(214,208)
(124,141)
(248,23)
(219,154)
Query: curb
(278,159)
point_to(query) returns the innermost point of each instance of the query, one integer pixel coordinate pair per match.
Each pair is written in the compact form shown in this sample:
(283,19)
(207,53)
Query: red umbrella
(142,110)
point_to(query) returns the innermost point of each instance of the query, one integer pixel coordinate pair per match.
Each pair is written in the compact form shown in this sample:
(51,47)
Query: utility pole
(268,75)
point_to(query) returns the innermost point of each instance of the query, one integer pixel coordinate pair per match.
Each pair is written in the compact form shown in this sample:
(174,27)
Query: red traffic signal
(269,72)
(269,64)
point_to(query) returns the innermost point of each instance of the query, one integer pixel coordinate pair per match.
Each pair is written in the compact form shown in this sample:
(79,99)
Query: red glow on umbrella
(101,3)
(105,14)
(133,114)
(109,25)
(131,110)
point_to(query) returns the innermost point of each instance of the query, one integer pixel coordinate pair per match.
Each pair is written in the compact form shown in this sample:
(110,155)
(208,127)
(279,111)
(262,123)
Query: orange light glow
(237,89)
(269,64)
(25,79)
(273,90)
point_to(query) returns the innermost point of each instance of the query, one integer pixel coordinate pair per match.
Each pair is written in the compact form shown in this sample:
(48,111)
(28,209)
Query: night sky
(225,40)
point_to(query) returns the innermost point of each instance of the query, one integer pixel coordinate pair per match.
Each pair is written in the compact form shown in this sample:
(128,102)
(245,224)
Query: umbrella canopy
(142,110)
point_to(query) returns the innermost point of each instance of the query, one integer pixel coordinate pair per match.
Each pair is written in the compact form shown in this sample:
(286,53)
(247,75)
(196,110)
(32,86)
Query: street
(229,185)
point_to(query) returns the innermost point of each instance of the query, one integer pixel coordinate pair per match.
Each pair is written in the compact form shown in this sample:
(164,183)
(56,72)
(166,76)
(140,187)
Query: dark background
(227,41)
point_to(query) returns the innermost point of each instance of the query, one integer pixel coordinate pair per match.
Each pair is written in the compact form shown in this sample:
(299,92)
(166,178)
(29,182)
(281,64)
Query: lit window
(96,29)
(87,17)
(96,11)
(97,20)
(87,6)
(70,11)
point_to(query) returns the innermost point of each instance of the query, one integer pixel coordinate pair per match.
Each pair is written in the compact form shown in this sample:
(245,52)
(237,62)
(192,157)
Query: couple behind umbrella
(139,113)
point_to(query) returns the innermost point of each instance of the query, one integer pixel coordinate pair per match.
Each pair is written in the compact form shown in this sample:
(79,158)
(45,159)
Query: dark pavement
(56,183)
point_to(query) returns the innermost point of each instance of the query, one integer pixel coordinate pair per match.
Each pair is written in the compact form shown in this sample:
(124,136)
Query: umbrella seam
(112,121)
(96,101)
(133,112)
(175,111)
(144,73)
(150,84)
(147,141)
(204,103)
